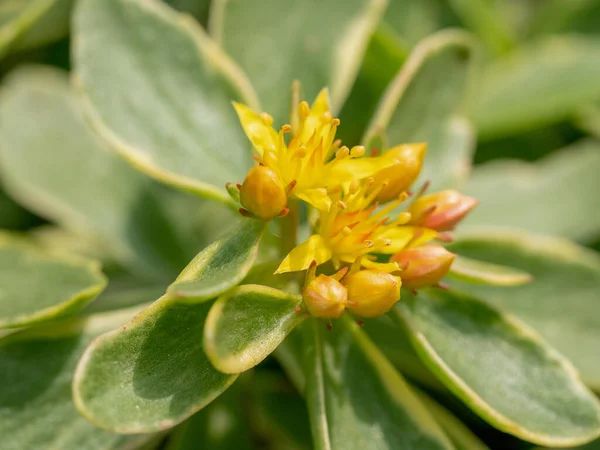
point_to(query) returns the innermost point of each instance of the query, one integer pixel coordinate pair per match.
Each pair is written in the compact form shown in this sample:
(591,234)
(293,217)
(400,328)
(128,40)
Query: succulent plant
(282,193)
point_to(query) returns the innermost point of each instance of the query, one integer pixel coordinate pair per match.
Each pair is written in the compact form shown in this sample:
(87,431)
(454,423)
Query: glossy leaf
(37,287)
(167,112)
(551,196)
(278,41)
(220,266)
(36,366)
(245,326)
(558,74)
(500,369)
(419,105)
(151,373)
(357,400)
(64,173)
(561,302)
(481,272)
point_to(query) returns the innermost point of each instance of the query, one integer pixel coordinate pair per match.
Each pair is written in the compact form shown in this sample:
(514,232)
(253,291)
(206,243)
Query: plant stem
(289,228)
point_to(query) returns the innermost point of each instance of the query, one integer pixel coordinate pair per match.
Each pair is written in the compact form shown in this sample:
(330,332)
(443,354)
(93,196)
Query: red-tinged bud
(372,293)
(441,211)
(262,193)
(399,176)
(424,265)
(325,297)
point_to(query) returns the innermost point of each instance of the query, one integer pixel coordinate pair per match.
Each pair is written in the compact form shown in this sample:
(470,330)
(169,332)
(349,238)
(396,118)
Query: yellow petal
(314,123)
(344,171)
(300,258)
(389,267)
(404,237)
(317,197)
(321,104)
(257,128)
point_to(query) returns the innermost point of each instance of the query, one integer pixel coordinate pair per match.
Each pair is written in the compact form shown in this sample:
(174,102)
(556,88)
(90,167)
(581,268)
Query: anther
(336,143)
(291,186)
(238,185)
(342,153)
(286,128)
(369,243)
(297,309)
(303,109)
(360,323)
(357,151)
(335,122)
(354,187)
(245,212)
(346,231)
(341,204)
(284,212)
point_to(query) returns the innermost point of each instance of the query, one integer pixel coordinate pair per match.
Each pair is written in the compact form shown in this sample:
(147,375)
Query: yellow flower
(353,228)
(424,266)
(372,293)
(262,194)
(324,296)
(312,163)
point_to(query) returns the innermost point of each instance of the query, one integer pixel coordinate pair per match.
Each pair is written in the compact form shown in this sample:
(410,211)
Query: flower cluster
(365,221)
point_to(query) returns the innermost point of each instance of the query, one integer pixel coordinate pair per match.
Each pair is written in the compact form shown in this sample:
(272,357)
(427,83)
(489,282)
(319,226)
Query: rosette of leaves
(126,358)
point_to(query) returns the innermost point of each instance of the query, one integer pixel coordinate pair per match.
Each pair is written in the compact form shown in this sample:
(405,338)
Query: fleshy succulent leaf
(500,368)
(307,47)
(221,265)
(36,367)
(560,302)
(351,385)
(151,373)
(245,326)
(481,272)
(167,112)
(421,103)
(37,287)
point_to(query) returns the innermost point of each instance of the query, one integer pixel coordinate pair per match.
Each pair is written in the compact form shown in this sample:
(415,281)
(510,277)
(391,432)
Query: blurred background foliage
(533,105)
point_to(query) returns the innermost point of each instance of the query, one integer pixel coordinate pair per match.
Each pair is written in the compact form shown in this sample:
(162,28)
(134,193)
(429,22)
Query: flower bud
(262,193)
(372,293)
(424,265)
(441,211)
(399,176)
(325,297)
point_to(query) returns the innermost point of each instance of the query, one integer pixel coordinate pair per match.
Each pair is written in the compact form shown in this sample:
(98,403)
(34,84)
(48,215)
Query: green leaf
(551,196)
(151,373)
(459,434)
(220,266)
(64,173)
(49,27)
(13,216)
(247,324)
(500,368)
(352,388)
(414,20)
(591,446)
(220,426)
(278,41)
(556,74)
(159,91)
(481,272)
(561,302)
(37,287)
(383,59)
(36,366)
(420,103)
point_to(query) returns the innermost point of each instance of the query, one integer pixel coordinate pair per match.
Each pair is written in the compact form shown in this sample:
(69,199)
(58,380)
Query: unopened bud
(399,176)
(372,293)
(424,265)
(325,297)
(441,211)
(262,193)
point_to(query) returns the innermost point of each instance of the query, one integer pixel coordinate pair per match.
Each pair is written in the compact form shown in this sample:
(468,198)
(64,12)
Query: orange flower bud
(372,293)
(262,193)
(325,297)
(441,211)
(398,177)
(424,266)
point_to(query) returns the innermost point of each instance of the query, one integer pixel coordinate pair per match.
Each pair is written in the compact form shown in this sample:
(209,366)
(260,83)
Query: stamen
(337,143)
(291,186)
(369,244)
(239,186)
(341,205)
(286,128)
(403,218)
(357,151)
(303,110)
(354,187)
(342,153)
(335,122)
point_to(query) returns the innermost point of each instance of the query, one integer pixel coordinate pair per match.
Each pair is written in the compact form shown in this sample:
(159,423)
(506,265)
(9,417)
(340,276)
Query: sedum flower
(312,163)
(372,293)
(353,228)
(441,211)
(423,266)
